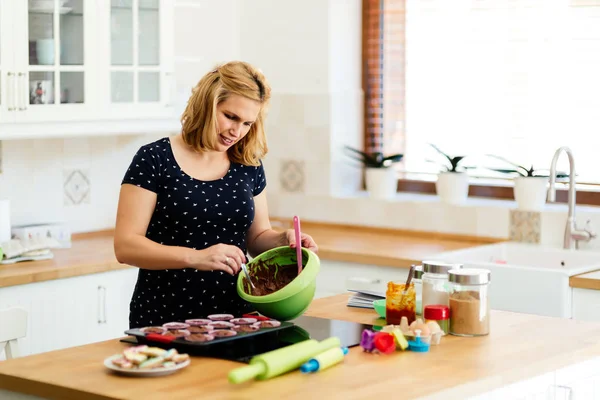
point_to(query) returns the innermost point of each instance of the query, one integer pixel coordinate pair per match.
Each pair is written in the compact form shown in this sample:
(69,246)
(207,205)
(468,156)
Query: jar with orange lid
(400,303)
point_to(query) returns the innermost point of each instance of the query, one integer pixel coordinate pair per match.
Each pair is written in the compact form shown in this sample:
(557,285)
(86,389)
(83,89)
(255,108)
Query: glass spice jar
(400,304)
(438,313)
(417,281)
(469,302)
(435,282)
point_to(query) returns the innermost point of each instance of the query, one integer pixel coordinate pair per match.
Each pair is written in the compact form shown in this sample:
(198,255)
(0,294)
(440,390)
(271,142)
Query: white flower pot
(530,192)
(382,183)
(452,187)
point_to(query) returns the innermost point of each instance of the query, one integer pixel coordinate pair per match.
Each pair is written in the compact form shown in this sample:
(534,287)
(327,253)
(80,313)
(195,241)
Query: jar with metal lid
(418,283)
(469,301)
(435,282)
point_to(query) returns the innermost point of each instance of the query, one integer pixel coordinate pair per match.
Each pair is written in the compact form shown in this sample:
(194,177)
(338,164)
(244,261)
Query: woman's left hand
(307,241)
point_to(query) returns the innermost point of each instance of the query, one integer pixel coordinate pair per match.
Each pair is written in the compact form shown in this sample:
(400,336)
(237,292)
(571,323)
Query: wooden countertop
(457,368)
(590,280)
(90,253)
(93,252)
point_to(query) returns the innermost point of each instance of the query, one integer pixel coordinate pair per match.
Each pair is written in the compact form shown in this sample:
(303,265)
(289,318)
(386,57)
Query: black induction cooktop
(303,328)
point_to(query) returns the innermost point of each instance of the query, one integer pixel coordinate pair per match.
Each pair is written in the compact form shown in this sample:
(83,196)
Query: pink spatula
(298,243)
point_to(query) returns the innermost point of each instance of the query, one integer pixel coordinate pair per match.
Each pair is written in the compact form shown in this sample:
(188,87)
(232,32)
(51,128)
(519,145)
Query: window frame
(586,194)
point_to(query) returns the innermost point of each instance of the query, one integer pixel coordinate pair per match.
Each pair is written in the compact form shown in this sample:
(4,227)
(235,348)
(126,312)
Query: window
(513,78)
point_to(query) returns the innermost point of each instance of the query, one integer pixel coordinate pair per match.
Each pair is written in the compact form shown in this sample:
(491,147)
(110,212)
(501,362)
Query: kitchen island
(524,354)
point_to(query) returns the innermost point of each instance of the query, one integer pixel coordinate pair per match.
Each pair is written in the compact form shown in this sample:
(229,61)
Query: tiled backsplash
(478,217)
(75,181)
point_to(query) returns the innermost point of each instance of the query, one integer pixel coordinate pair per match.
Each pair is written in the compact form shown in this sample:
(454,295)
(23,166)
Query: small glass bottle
(417,281)
(439,314)
(435,282)
(469,301)
(400,304)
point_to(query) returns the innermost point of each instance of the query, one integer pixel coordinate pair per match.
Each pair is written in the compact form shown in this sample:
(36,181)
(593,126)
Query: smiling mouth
(226,141)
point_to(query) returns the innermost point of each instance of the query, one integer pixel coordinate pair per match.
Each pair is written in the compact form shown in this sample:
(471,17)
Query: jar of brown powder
(469,301)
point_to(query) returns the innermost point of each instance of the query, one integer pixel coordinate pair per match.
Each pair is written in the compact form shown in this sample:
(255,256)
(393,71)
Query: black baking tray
(240,347)
(145,338)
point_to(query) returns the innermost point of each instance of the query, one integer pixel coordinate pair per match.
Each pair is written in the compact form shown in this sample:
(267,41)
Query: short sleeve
(260,181)
(143,170)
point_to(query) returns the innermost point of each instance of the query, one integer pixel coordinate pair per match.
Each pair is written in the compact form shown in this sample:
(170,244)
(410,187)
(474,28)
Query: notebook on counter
(364,298)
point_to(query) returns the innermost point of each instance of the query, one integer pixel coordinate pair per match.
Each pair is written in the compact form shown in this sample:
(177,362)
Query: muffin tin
(207,331)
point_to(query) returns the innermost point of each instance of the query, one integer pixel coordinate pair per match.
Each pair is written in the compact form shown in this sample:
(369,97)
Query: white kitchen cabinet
(537,388)
(586,304)
(77,67)
(580,381)
(73,311)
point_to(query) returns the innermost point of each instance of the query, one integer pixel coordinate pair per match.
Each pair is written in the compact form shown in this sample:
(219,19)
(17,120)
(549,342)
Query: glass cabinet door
(7,71)
(55,43)
(135,67)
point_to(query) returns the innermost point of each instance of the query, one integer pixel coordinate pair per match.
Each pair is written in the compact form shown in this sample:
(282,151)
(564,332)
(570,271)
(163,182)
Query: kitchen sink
(528,278)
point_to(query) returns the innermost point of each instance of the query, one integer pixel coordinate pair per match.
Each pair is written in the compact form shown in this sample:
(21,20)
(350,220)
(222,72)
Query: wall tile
(272,165)
(318,178)
(292,176)
(316,144)
(553,228)
(317,112)
(77,186)
(292,109)
(525,226)
(493,222)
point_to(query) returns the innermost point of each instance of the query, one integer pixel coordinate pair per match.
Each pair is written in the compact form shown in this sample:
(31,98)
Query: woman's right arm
(132,247)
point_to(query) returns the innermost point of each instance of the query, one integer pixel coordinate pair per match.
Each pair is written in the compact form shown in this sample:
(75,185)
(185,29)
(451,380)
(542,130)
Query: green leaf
(506,171)
(526,171)
(374,160)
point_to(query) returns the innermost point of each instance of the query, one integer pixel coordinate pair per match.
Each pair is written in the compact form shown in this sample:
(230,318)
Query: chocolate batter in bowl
(280,293)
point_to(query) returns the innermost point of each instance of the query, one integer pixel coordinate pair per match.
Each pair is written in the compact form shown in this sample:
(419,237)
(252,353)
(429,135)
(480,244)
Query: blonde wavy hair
(199,120)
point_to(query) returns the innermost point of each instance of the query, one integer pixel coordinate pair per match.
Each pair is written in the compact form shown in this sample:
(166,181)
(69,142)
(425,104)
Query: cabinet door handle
(10,92)
(568,389)
(23,93)
(101,305)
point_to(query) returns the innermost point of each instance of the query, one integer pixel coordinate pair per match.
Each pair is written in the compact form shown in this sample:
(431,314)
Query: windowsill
(472,201)
(501,189)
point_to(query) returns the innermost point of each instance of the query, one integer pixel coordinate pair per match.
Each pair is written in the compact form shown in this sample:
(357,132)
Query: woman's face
(235,116)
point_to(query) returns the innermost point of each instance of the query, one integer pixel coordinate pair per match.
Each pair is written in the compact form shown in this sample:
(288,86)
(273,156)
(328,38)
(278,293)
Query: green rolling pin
(280,361)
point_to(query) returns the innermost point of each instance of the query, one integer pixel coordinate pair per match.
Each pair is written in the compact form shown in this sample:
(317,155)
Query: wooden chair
(13,326)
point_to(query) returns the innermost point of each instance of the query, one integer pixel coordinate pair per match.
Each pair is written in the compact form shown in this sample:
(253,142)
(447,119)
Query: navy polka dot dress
(196,214)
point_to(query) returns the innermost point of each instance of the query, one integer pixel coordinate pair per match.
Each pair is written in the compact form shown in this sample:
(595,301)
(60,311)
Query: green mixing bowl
(379,306)
(292,300)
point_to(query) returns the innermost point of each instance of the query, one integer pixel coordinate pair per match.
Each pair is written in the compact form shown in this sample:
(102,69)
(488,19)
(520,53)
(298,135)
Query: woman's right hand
(221,257)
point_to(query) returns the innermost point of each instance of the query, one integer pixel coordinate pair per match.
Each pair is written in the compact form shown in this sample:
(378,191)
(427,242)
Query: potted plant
(452,185)
(380,177)
(530,185)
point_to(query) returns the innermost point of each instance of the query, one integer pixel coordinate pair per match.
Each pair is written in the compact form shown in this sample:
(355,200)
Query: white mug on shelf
(45,51)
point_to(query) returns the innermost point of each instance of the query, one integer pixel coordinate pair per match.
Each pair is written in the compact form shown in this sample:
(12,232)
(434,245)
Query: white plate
(144,372)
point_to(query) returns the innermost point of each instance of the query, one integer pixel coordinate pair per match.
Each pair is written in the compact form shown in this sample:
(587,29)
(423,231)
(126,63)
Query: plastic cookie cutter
(324,360)
(418,345)
(384,342)
(366,340)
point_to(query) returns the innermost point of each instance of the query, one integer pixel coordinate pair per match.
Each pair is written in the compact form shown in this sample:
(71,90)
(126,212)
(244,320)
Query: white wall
(310,51)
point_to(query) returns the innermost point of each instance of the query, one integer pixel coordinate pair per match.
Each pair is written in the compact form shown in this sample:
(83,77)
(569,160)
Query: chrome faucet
(572,233)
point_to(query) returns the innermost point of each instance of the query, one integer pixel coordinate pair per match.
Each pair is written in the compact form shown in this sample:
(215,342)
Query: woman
(191,206)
